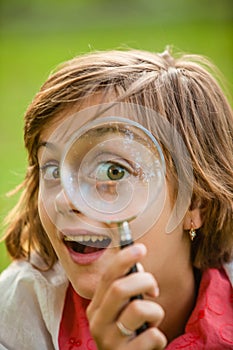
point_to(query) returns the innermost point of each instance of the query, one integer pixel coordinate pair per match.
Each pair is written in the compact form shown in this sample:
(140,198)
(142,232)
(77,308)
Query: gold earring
(192,232)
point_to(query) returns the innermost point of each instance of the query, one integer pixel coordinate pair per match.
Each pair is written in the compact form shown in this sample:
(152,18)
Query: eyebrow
(46,144)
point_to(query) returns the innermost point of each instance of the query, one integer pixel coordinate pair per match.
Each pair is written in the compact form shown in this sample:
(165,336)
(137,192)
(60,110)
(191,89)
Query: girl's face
(68,229)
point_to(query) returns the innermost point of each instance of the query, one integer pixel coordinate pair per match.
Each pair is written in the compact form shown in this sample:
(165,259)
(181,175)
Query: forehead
(76,115)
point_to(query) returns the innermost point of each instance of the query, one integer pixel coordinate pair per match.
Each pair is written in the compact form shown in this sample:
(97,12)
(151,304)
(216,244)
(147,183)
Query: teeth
(84,238)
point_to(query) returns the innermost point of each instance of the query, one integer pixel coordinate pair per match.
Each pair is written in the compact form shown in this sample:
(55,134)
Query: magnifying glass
(113,170)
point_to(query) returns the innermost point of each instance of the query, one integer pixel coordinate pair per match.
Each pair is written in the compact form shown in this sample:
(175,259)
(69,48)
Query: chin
(85,288)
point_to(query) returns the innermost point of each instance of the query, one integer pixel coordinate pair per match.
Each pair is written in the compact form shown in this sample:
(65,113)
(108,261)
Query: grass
(26,60)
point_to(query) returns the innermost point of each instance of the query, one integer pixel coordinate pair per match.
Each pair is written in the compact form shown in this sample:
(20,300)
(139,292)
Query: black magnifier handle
(125,241)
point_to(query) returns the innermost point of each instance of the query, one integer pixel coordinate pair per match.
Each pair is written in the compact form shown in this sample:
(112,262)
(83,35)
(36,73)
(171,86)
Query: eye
(110,171)
(50,172)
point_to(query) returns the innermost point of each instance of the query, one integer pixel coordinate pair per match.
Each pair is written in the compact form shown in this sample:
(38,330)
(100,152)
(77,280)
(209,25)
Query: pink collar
(210,326)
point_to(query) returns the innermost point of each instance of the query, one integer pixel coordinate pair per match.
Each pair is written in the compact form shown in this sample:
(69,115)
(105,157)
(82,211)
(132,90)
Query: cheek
(46,218)
(46,202)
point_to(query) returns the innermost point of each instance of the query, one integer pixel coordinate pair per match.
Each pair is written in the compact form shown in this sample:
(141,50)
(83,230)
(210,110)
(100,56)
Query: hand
(110,305)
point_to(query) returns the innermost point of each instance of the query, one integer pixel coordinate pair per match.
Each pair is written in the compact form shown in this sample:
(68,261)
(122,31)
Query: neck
(178,303)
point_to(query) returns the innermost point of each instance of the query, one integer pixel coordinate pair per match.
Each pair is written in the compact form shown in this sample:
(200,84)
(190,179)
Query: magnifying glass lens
(112,169)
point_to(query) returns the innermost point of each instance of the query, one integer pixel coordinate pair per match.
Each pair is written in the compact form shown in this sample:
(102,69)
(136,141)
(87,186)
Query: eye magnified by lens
(112,169)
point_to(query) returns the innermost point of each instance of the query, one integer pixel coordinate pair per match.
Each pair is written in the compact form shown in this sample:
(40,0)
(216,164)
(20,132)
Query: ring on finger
(123,330)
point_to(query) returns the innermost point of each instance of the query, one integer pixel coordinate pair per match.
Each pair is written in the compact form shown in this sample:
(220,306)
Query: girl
(59,294)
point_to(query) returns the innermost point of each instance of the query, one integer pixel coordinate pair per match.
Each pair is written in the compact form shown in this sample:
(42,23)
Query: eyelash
(44,169)
(103,170)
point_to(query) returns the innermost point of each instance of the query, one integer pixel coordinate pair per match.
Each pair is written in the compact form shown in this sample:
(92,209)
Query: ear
(193,218)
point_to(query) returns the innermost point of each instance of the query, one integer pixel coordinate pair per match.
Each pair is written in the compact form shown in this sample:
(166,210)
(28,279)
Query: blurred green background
(35,36)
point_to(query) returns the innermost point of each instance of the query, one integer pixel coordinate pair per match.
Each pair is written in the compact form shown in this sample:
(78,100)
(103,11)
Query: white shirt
(31,305)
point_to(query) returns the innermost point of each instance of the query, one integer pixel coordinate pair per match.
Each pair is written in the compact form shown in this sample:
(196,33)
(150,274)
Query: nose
(63,205)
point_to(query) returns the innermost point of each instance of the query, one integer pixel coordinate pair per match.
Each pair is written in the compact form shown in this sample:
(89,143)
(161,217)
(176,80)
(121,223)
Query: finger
(105,337)
(140,311)
(119,293)
(120,265)
(132,285)
(140,268)
(151,339)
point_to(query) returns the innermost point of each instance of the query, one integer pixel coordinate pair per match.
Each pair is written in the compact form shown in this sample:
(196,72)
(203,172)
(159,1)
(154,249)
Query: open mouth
(86,244)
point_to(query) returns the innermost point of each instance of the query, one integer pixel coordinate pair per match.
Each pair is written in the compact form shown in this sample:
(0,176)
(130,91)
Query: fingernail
(156,291)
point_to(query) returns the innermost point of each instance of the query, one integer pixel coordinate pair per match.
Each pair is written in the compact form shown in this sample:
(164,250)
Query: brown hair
(184,91)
